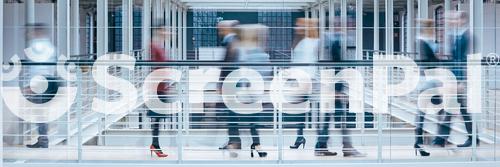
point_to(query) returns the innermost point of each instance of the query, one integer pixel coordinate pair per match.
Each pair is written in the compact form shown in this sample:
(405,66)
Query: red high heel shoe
(157,151)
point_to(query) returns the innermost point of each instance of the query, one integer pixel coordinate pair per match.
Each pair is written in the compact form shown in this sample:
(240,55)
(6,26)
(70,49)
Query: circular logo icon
(492,59)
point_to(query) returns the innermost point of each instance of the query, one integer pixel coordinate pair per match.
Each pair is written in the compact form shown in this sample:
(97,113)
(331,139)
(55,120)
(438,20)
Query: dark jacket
(459,50)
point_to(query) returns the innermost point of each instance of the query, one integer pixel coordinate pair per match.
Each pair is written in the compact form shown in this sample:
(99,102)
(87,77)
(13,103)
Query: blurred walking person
(39,91)
(158,54)
(305,50)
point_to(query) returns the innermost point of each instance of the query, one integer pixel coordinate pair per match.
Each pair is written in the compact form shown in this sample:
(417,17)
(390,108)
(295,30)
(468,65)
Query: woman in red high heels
(158,54)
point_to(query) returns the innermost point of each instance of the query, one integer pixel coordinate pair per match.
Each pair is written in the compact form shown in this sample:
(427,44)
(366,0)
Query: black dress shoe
(439,142)
(468,143)
(352,153)
(38,145)
(324,152)
(321,149)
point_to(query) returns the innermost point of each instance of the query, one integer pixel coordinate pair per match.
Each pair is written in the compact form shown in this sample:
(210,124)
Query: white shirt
(306,51)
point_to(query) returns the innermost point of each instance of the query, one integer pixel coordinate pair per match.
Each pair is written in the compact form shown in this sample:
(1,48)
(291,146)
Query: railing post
(79,113)
(280,124)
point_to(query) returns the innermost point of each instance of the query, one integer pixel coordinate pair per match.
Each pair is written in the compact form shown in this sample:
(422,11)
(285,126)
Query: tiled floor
(130,153)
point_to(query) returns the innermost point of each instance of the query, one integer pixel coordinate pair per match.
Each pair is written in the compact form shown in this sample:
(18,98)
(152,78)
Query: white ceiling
(276,4)
(247,4)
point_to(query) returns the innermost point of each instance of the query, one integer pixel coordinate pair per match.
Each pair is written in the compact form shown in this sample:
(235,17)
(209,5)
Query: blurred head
(226,27)
(457,18)
(37,30)
(160,32)
(307,27)
(252,35)
(426,26)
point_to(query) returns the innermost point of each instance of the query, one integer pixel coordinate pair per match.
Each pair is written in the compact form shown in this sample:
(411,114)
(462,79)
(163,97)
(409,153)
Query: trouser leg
(155,126)
(324,132)
(233,128)
(43,128)
(346,138)
(419,131)
(443,128)
(255,134)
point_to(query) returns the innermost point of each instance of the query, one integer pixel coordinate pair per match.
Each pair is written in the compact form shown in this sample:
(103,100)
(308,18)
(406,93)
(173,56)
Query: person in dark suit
(460,38)
(427,50)
(226,31)
(341,111)
(42,51)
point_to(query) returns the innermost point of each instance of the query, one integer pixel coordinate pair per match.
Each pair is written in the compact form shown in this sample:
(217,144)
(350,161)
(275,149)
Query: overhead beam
(249,1)
(248,8)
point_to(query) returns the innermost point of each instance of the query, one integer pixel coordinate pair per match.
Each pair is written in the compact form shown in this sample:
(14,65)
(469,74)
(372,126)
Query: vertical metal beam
(30,11)
(343,24)
(376,29)
(476,23)
(389,27)
(184,34)
(30,15)
(167,25)
(401,15)
(146,28)
(127,23)
(306,12)
(359,30)
(331,14)
(376,47)
(179,31)
(476,29)
(322,27)
(410,26)
(446,42)
(174,32)
(75,24)
(102,27)
(314,12)
(1,79)
(63,20)
(423,9)
(63,44)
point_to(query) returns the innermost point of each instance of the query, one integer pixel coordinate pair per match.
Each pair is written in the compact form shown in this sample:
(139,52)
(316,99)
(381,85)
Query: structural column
(146,28)
(331,14)
(63,20)
(389,27)
(75,30)
(127,23)
(423,9)
(167,25)
(446,38)
(359,29)
(63,44)
(306,13)
(376,23)
(476,25)
(343,25)
(179,31)
(30,15)
(30,11)
(322,27)
(184,34)
(174,32)
(410,26)
(314,13)
(102,27)
(1,83)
